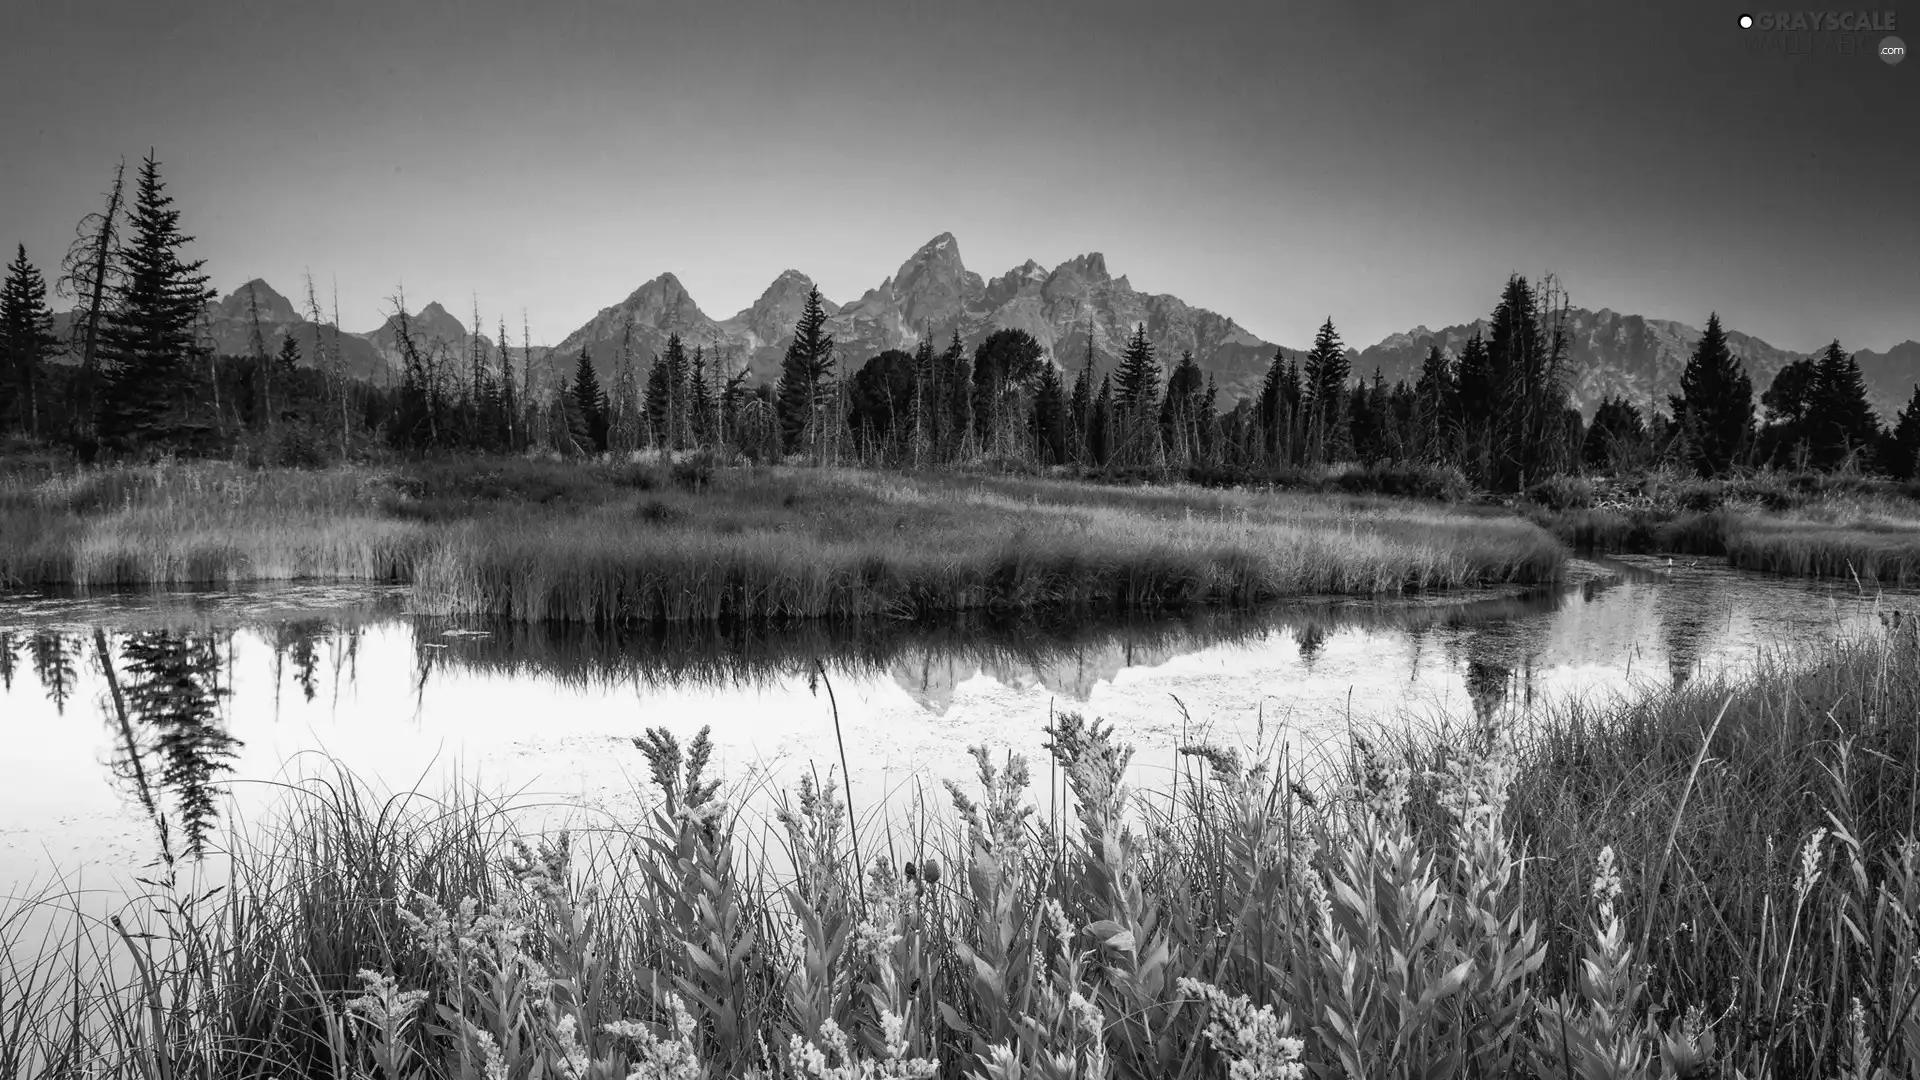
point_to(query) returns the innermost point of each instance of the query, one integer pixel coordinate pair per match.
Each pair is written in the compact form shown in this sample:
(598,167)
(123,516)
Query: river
(125,713)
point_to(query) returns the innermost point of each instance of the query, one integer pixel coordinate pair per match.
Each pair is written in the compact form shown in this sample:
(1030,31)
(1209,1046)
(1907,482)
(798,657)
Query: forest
(135,379)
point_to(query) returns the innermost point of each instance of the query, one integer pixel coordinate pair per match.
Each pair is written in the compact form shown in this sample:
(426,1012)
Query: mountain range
(1077,305)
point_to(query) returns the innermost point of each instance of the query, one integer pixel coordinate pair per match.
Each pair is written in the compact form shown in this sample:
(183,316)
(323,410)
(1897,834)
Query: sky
(1384,163)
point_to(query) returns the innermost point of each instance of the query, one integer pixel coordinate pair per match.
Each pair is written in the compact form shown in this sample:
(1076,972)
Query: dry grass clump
(1616,897)
(790,543)
(618,543)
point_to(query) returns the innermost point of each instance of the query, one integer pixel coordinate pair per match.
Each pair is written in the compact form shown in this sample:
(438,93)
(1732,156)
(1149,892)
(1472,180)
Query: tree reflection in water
(170,737)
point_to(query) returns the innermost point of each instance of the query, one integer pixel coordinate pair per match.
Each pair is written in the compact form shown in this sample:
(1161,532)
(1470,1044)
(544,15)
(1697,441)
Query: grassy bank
(1731,868)
(1803,526)
(603,543)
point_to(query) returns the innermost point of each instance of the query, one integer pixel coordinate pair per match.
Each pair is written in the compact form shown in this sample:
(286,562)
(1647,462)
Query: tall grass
(1720,882)
(608,544)
(1813,526)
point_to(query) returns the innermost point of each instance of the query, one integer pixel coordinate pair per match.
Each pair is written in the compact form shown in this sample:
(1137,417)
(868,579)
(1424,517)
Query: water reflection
(188,706)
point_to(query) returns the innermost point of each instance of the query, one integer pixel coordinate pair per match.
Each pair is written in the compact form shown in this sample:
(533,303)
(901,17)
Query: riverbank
(1736,859)
(1852,528)
(690,543)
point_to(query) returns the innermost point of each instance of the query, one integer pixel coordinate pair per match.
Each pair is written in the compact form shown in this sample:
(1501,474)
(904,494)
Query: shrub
(1562,493)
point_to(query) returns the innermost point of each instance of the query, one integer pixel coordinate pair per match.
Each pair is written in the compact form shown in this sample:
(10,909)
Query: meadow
(691,543)
(1718,881)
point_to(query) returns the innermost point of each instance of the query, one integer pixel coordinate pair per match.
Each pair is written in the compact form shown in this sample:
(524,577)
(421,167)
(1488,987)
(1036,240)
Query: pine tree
(589,404)
(1901,456)
(286,368)
(149,334)
(1050,416)
(27,343)
(1841,421)
(1136,381)
(1181,411)
(1325,374)
(700,403)
(803,373)
(1617,439)
(1080,408)
(1100,431)
(1436,405)
(660,393)
(955,397)
(1715,403)
(1276,407)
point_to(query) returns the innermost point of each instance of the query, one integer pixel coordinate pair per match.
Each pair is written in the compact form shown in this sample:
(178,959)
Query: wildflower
(383,1003)
(573,1056)
(1606,884)
(817,1061)
(662,1059)
(1810,862)
(1056,916)
(1254,1040)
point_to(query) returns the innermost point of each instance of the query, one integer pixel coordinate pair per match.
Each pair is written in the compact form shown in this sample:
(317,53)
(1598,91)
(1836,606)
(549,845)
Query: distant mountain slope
(1641,359)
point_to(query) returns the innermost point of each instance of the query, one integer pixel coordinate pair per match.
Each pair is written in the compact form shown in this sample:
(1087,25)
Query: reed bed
(1801,526)
(1719,882)
(630,543)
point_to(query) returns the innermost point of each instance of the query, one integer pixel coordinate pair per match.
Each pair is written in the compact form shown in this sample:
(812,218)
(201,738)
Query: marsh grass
(1801,526)
(1717,882)
(619,543)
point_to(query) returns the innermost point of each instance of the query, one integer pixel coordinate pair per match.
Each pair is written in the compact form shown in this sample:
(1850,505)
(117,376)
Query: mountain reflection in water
(179,692)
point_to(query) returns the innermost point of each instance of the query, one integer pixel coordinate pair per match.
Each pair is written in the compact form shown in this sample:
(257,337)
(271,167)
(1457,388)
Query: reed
(1721,881)
(610,544)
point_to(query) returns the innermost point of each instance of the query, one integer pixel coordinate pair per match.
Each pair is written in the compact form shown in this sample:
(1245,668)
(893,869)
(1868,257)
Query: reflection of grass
(745,653)
(1727,868)
(621,543)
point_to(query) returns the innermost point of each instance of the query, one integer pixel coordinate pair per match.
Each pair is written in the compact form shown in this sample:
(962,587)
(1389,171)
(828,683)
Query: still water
(124,715)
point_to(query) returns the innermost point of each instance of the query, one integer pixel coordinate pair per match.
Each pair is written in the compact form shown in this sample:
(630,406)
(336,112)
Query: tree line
(146,381)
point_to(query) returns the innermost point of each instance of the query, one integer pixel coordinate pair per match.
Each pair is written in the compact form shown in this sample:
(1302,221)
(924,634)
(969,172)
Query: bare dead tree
(257,349)
(340,367)
(87,274)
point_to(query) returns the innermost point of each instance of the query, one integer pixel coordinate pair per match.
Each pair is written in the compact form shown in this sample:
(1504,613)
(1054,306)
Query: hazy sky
(1385,163)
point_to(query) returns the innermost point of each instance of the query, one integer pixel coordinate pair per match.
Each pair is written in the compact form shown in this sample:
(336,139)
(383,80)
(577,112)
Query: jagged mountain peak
(273,307)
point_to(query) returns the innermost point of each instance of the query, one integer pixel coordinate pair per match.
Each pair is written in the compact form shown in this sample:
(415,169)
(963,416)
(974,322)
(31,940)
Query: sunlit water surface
(223,695)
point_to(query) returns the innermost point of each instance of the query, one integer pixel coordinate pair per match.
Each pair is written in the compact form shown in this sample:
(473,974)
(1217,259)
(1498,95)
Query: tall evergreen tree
(1715,403)
(1901,456)
(1436,406)
(1050,416)
(1080,406)
(149,335)
(666,389)
(804,372)
(1136,381)
(1276,406)
(589,404)
(1617,439)
(1526,344)
(1842,424)
(1325,374)
(1181,410)
(955,396)
(700,399)
(1100,428)
(27,343)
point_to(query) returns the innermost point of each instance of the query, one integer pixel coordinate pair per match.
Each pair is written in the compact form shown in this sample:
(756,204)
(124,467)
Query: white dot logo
(1746,22)
(1892,49)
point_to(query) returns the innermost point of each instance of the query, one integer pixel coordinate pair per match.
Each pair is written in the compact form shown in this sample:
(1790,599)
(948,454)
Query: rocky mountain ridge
(1077,306)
